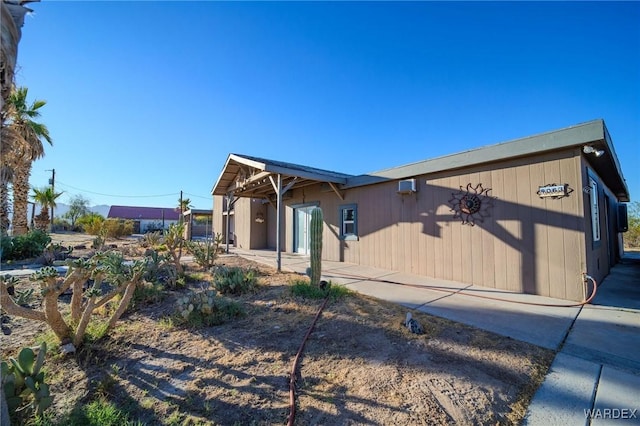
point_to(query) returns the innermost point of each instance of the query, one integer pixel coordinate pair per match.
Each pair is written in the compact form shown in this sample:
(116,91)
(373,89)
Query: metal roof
(144,213)
(248,176)
(592,133)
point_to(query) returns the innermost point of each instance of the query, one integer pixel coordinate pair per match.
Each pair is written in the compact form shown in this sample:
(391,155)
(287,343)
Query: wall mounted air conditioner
(407,186)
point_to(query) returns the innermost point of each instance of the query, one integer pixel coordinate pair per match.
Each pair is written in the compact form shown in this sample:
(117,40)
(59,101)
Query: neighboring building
(530,215)
(198,224)
(146,219)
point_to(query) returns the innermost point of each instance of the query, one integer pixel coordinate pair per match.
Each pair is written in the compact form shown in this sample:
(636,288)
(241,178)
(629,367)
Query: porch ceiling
(246,176)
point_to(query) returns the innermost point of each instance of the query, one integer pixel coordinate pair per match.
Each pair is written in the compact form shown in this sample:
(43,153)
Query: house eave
(589,133)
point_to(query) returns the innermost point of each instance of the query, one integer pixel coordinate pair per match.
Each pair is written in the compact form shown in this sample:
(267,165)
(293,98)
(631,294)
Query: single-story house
(146,219)
(531,215)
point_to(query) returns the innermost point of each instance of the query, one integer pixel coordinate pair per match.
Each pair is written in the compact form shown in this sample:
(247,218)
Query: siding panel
(472,246)
(499,246)
(540,234)
(488,240)
(456,249)
(555,238)
(524,189)
(570,206)
(512,228)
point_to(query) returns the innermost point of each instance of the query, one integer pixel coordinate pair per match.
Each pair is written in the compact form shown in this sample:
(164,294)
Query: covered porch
(264,182)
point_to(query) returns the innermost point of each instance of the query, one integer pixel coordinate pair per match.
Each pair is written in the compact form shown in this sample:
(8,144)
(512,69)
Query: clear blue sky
(148,98)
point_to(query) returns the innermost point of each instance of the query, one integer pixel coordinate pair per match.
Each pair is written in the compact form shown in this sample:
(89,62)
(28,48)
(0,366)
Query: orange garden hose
(292,374)
(294,366)
(462,291)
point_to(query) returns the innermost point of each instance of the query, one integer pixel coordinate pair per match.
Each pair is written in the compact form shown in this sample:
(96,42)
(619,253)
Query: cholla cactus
(315,236)
(110,266)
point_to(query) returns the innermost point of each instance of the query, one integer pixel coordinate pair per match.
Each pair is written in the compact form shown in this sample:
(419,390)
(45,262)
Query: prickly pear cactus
(315,245)
(22,381)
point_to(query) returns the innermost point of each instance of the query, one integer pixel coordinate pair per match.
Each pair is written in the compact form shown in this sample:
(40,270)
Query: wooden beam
(335,189)
(274,184)
(289,185)
(253,179)
(271,202)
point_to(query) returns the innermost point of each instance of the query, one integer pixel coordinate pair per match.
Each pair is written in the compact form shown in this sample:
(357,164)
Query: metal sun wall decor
(472,204)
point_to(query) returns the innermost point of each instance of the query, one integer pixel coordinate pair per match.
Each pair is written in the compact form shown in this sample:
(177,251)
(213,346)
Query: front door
(302,218)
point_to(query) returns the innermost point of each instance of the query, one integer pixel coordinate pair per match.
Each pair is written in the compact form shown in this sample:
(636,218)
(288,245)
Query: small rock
(67,349)
(413,325)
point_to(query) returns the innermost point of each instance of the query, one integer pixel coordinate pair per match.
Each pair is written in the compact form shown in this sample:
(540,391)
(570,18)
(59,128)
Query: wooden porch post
(229,199)
(278,222)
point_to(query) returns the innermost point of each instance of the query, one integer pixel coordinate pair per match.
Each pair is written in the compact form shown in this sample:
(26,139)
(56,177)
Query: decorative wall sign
(554,191)
(472,204)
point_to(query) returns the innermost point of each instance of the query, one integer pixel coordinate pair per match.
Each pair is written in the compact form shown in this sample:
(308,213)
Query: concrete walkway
(595,377)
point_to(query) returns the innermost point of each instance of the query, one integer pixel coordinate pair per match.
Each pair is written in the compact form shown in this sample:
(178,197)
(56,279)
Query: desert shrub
(632,236)
(153,227)
(234,280)
(303,288)
(205,253)
(98,242)
(205,308)
(62,225)
(148,293)
(91,223)
(25,246)
(151,239)
(116,228)
(173,240)
(53,252)
(161,270)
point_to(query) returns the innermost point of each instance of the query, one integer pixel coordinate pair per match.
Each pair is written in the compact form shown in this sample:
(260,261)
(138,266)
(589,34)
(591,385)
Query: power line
(198,196)
(129,196)
(118,196)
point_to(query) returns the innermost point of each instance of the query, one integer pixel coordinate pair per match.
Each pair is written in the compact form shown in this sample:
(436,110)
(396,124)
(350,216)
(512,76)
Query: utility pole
(52,182)
(181,207)
(182,223)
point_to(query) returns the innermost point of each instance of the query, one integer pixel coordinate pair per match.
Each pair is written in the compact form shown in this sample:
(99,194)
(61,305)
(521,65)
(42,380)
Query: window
(595,209)
(349,222)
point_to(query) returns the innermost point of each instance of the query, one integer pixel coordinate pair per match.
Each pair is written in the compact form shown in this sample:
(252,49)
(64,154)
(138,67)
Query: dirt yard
(360,365)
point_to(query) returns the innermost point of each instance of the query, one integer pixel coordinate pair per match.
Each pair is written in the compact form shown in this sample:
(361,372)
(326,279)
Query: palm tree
(7,153)
(46,197)
(26,136)
(184,204)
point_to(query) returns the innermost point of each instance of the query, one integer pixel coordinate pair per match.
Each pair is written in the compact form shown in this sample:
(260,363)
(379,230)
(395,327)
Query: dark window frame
(594,211)
(348,236)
